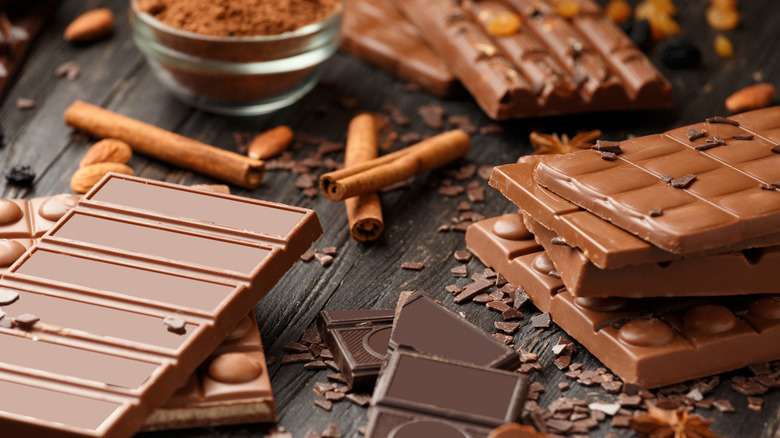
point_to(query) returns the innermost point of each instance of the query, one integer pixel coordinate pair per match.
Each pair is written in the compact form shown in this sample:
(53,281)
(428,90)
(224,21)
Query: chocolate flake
(723,405)
(607,146)
(460,271)
(8,297)
(511,313)
(542,320)
(776,149)
(505,339)
(742,137)
(295,347)
(520,297)
(462,255)
(683,181)
(24,103)
(608,156)
(297,358)
(766,186)
(324,404)
(311,336)
(331,431)
(315,365)
(451,191)
(695,134)
(656,212)
(361,400)
(507,327)
(413,266)
(491,128)
(175,325)
(432,115)
(334,396)
(667,178)
(25,321)
(722,120)
(69,70)
(324,259)
(330,250)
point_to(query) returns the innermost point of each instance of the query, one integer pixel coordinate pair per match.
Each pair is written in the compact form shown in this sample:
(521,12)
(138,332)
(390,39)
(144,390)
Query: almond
(750,98)
(107,151)
(88,176)
(90,26)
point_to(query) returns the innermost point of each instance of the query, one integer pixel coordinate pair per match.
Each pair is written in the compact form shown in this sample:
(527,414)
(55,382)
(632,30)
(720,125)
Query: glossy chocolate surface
(127,321)
(724,206)
(550,65)
(653,341)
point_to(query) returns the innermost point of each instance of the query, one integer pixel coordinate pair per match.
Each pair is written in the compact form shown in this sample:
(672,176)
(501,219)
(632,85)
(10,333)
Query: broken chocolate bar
(651,342)
(723,206)
(420,395)
(103,280)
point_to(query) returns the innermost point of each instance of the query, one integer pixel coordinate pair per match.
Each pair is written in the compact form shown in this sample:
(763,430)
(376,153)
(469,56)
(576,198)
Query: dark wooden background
(114,75)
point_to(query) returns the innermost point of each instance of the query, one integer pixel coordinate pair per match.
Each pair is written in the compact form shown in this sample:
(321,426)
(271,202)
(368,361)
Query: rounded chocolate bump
(709,318)
(601,304)
(426,428)
(9,212)
(243,327)
(56,206)
(650,332)
(765,307)
(511,227)
(376,342)
(234,368)
(10,251)
(543,264)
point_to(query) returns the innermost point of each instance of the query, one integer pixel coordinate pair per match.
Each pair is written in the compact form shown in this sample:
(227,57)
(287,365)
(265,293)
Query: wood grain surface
(115,75)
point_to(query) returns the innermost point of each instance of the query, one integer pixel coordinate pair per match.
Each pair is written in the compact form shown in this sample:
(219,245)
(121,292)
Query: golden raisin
(723,47)
(567,8)
(645,10)
(504,23)
(722,18)
(724,4)
(665,6)
(618,10)
(663,26)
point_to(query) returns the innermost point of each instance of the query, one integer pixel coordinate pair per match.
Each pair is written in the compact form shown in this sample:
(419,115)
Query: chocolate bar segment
(421,395)
(721,202)
(549,65)
(376,32)
(231,387)
(426,326)
(134,319)
(732,273)
(650,342)
(358,341)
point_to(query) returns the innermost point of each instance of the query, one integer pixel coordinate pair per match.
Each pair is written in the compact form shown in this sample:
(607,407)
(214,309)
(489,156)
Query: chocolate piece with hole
(358,340)
(419,395)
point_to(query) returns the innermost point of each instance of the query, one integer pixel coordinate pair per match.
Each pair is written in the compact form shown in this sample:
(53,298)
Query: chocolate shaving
(710,143)
(683,181)
(695,134)
(722,120)
(742,137)
(413,266)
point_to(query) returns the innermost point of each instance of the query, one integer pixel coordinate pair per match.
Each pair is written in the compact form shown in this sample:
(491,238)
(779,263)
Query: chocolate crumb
(542,320)
(609,156)
(722,120)
(452,289)
(723,405)
(695,134)
(742,137)
(656,212)
(308,255)
(311,336)
(520,297)
(563,386)
(464,123)
(485,171)
(361,400)
(69,70)
(326,354)
(491,128)
(24,103)
(324,259)
(463,206)
(507,327)
(334,396)
(175,325)
(25,321)
(460,271)
(511,314)
(330,250)
(432,115)
(460,255)
(324,404)
(315,365)
(413,266)
(667,178)
(607,146)
(397,116)
(310,192)
(8,297)
(453,190)
(411,137)
(504,339)
(331,431)
(683,181)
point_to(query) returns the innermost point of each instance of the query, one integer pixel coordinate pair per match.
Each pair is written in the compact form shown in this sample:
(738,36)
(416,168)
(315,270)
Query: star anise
(660,423)
(553,144)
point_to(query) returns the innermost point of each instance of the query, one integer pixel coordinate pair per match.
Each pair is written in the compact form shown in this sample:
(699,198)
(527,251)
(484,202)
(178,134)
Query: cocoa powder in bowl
(230,55)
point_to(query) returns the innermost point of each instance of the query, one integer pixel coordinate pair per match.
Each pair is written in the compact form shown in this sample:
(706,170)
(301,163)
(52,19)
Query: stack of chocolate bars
(141,288)
(659,254)
(438,374)
(548,62)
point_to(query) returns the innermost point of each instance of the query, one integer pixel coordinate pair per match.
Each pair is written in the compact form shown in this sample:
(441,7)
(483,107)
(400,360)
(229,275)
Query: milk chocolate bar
(358,341)
(651,342)
(376,32)
(426,326)
(420,395)
(732,273)
(130,291)
(547,65)
(231,387)
(707,186)
(606,245)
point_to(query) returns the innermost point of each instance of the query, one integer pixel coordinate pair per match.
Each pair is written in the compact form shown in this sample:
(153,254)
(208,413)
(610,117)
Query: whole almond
(90,26)
(750,98)
(107,151)
(88,176)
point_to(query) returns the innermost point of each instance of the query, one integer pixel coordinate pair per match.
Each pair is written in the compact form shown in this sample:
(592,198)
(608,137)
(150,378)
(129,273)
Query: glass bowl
(236,75)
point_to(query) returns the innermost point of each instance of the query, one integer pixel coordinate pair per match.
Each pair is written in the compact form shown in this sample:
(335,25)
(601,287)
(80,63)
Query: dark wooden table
(115,75)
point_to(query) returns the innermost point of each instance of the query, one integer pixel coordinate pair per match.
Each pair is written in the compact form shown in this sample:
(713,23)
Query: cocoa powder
(238,18)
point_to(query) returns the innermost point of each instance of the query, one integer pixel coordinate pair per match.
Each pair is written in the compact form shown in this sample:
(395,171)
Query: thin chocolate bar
(424,325)
(130,291)
(606,245)
(376,32)
(546,64)
(709,198)
(420,395)
(358,341)
(652,341)
(231,387)
(732,273)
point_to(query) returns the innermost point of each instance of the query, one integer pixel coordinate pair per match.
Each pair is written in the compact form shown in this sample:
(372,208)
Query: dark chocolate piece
(358,341)
(716,212)
(419,395)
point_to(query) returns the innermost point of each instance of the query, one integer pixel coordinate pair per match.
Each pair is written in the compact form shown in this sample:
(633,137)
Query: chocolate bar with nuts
(521,58)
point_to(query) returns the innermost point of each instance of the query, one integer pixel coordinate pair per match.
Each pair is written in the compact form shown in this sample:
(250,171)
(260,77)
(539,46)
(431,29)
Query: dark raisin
(677,52)
(20,175)
(639,32)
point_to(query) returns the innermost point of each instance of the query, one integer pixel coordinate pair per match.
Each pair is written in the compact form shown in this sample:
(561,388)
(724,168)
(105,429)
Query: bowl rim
(309,29)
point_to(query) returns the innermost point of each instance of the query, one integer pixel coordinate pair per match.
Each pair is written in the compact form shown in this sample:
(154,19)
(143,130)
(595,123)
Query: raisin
(20,175)
(723,47)
(618,10)
(504,23)
(567,8)
(677,52)
(639,32)
(722,18)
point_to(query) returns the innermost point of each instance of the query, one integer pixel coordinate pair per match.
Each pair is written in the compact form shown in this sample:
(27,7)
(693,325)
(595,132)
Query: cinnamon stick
(270,143)
(364,212)
(166,146)
(391,168)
